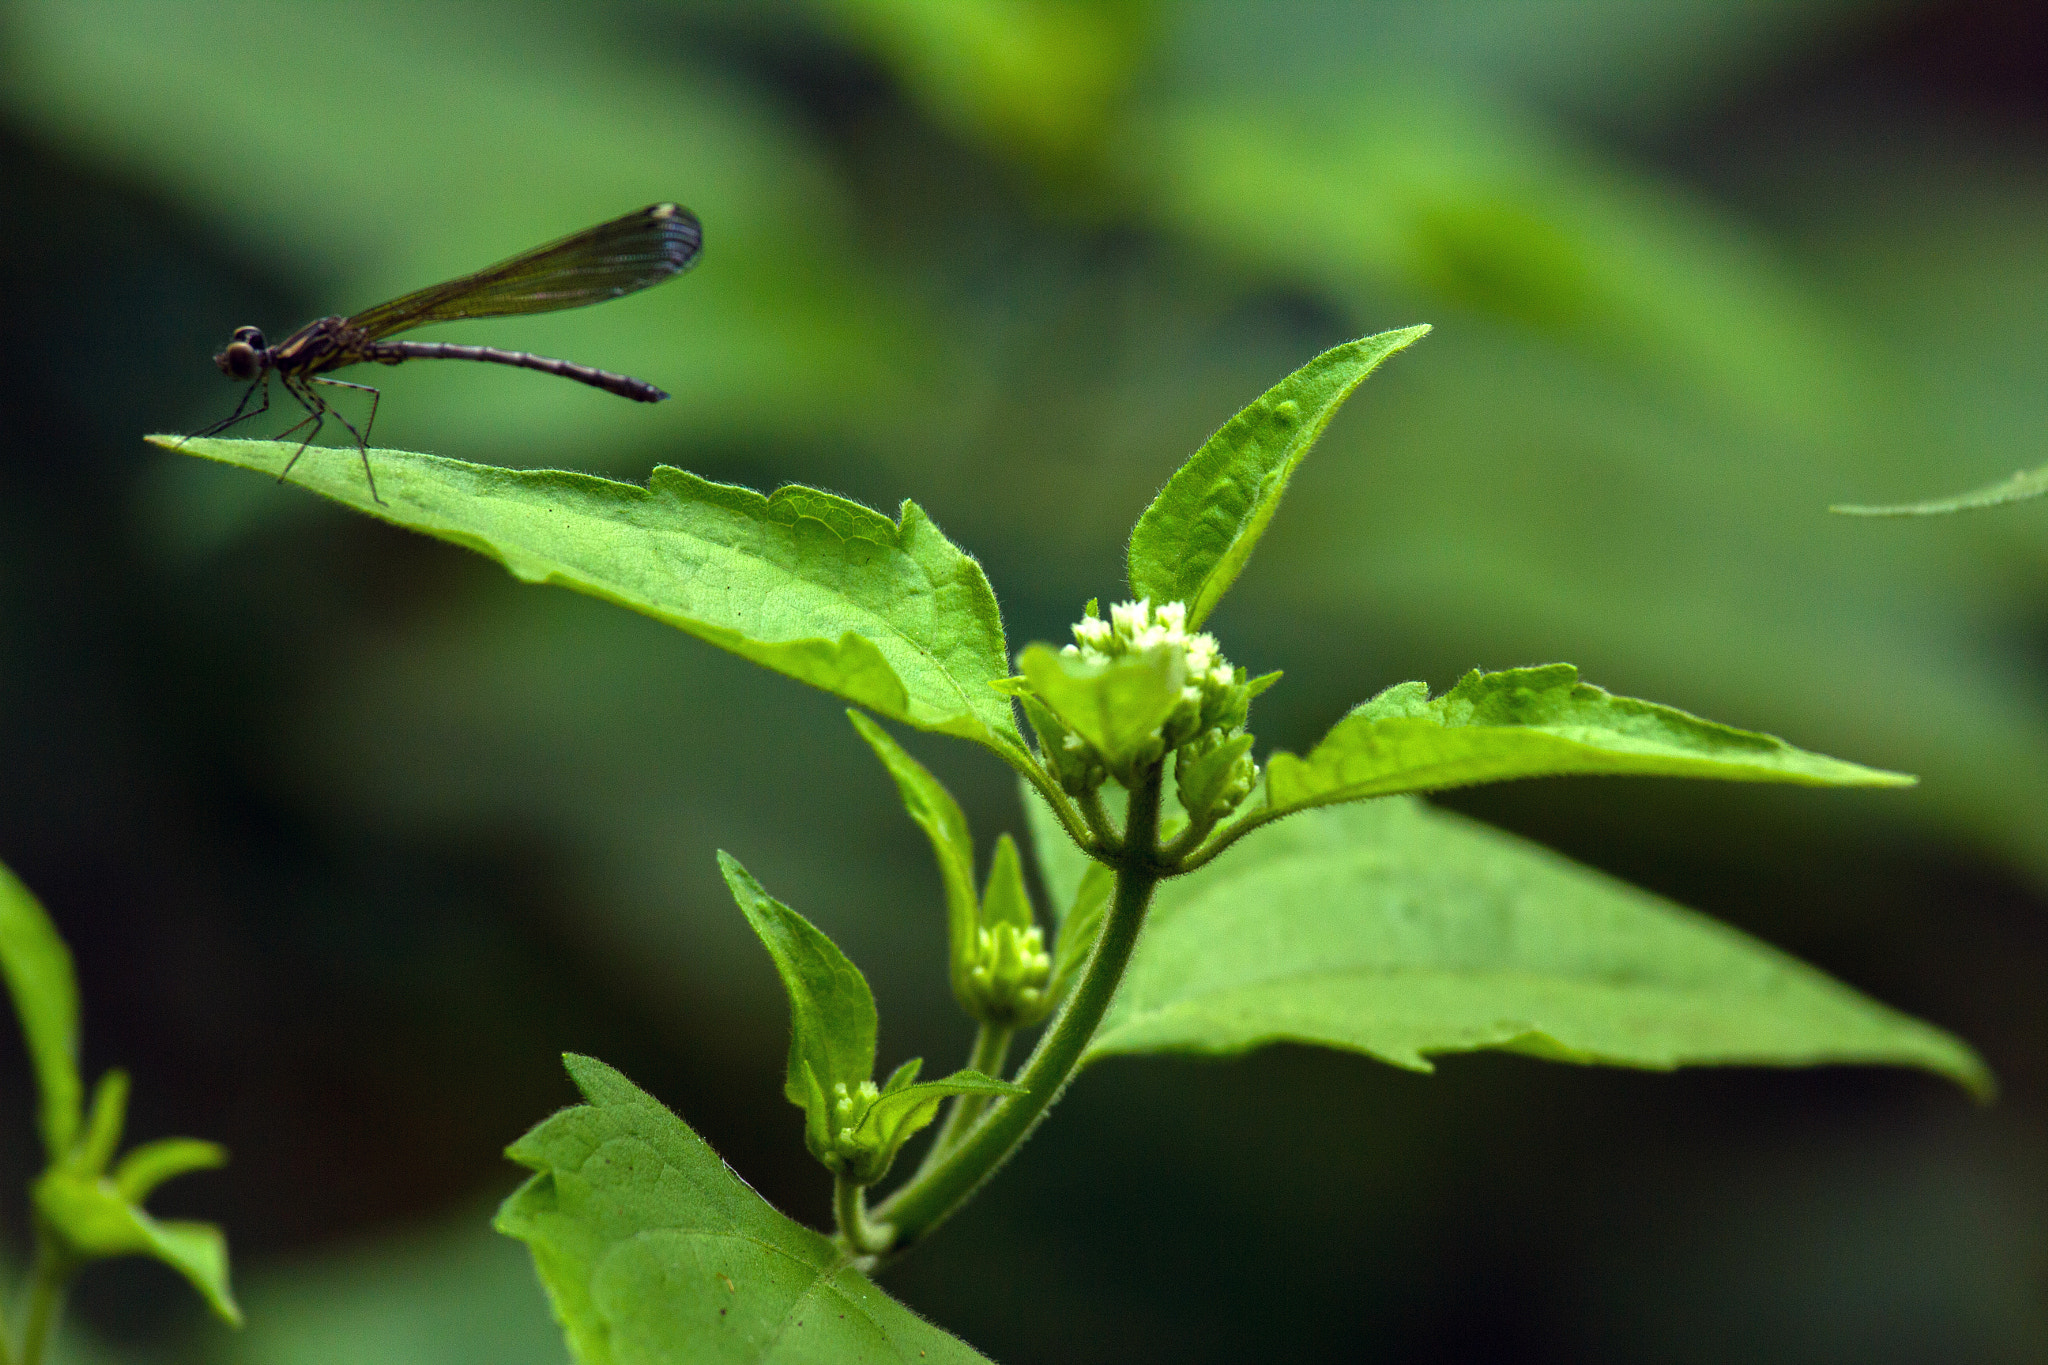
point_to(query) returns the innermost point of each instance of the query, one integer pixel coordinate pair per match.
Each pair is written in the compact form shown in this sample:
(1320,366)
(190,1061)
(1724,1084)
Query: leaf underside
(652,1250)
(888,614)
(1400,931)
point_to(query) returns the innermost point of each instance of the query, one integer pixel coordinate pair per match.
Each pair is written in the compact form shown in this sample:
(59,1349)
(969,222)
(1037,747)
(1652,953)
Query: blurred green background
(352,835)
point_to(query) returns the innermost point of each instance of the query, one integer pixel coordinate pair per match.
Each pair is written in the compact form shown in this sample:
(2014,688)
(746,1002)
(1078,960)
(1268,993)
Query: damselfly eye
(249,335)
(238,361)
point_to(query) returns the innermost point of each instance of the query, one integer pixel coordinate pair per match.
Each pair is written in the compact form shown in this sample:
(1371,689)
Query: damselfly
(643,248)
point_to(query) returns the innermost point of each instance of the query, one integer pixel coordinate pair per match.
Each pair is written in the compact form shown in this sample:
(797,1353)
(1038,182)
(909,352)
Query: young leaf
(151,1164)
(1117,707)
(94,1219)
(1006,901)
(939,816)
(2028,483)
(888,614)
(1193,541)
(1399,931)
(652,1249)
(831,1010)
(37,968)
(1533,722)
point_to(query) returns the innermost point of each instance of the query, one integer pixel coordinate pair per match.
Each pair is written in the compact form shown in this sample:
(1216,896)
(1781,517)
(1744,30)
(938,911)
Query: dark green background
(352,835)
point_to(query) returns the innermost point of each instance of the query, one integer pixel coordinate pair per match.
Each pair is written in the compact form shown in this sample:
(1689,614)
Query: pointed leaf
(1399,931)
(1005,901)
(831,1010)
(1534,722)
(151,1164)
(37,968)
(651,1249)
(94,1221)
(104,1120)
(1193,541)
(940,817)
(1119,706)
(2028,483)
(888,614)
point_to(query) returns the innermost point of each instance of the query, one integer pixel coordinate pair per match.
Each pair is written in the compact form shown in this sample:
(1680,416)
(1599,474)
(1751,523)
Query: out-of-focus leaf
(1037,79)
(891,615)
(1194,539)
(37,968)
(150,1165)
(652,1249)
(1534,722)
(1399,931)
(1427,187)
(831,1011)
(2022,486)
(94,1219)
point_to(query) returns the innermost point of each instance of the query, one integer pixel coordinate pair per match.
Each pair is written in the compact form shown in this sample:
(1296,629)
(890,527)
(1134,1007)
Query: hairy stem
(935,1192)
(991,1051)
(849,1206)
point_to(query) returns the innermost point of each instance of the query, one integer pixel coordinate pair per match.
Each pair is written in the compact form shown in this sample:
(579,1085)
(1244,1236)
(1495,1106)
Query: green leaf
(1006,901)
(1119,706)
(2028,483)
(1400,931)
(1079,928)
(37,967)
(104,1119)
(1534,722)
(95,1220)
(151,1164)
(940,817)
(888,614)
(651,1249)
(1193,541)
(831,1009)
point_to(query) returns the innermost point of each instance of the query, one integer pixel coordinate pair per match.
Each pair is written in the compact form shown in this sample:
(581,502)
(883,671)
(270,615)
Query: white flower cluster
(1134,627)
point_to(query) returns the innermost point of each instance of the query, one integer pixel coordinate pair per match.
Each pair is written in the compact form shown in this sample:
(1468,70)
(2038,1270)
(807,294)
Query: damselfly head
(243,358)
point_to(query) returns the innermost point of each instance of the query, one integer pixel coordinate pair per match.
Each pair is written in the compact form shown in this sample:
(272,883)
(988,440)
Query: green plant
(1202,901)
(85,1211)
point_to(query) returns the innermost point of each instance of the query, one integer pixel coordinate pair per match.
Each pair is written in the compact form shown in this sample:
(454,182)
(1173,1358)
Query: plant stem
(991,1050)
(849,1206)
(935,1192)
(53,1271)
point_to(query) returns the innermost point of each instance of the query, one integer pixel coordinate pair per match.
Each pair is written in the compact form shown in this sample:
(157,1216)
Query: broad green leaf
(37,967)
(1534,722)
(96,1220)
(1400,931)
(2026,484)
(652,1250)
(888,614)
(1193,541)
(831,1011)
(1119,706)
(940,817)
